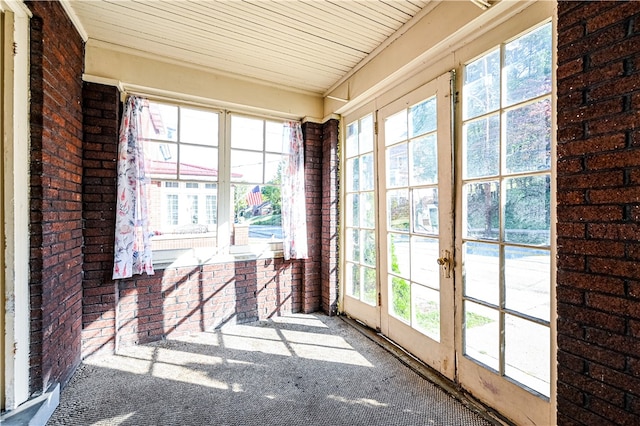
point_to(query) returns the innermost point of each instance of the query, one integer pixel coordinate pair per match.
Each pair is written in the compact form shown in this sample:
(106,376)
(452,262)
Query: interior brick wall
(177,301)
(330,216)
(598,229)
(313,188)
(56,65)
(101,109)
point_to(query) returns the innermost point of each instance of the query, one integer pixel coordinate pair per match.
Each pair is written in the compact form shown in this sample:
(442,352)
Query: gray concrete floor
(298,369)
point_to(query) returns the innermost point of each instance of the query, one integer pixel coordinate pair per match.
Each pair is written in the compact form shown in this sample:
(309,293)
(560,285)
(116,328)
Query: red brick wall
(598,290)
(101,125)
(330,196)
(56,65)
(313,186)
(176,301)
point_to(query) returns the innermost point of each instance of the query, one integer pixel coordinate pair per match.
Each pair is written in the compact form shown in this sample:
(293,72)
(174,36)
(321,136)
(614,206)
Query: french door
(416,225)
(449,251)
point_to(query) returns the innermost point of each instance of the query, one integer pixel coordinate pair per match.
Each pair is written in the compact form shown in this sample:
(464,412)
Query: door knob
(445,263)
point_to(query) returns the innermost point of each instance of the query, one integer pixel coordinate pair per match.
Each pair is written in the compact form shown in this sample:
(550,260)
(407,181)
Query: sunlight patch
(358,401)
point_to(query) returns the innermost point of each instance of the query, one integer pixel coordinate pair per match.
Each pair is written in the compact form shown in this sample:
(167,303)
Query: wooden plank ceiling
(304,45)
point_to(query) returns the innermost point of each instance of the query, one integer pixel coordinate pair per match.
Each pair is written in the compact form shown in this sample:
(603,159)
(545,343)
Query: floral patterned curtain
(133,241)
(294,212)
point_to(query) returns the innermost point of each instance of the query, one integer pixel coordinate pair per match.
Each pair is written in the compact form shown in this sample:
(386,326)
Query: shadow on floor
(298,369)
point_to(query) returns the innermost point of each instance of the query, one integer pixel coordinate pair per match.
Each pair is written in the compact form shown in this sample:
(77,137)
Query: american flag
(254,197)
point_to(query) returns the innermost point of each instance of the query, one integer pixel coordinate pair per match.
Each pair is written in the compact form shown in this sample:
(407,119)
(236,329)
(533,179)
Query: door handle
(445,263)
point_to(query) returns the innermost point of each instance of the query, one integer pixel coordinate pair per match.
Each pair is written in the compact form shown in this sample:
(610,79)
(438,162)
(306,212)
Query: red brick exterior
(598,279)
(56,65)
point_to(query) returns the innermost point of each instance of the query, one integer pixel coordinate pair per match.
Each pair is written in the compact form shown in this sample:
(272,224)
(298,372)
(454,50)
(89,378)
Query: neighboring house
(577,194)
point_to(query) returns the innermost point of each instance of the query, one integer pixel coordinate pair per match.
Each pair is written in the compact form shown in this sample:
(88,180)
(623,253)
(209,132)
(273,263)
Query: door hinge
(379,299)
(375,127)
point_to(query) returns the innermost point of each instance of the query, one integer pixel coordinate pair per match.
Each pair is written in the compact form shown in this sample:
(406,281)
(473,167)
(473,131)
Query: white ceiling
(305,45)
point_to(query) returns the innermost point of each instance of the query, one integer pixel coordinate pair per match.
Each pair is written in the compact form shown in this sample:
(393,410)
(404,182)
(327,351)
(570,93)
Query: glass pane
(247,133)
(353,245)
(273,168)
(426,310)
(425,211)
(352,140)
(273,136)
(424,160)
(369,246)
(400,306)
(528,144)
(353,280)
(482,272)
(482,202)
(353,174)
(367,210)
(199,127)
(527,70)
(481,146)
(481,89)
(527,212)
(482,334)
(423,118)
(367,172)
(424,268)
(527,281)
(352,210)
(164,121)
(369,285)
(366,134)
(398,210)
(399,254)
(163,159)
(246,166)
(527,353)
(198,162)
(397,166)
(395,128)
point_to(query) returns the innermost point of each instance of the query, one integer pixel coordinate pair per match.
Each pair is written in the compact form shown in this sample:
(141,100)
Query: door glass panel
(481,210)
(481,86)
(527,66)
(399,254)
(400,292)
(423,118)
(395,128)
(398,209)
(529,137)
(397,162)
(426,271)
(527,353)
(482,334)
(425,304)
(425,211)
(527,212)
(424,161)
(482,272)
(360,236)
(506,282)
(527,281)
(353,280)
(482,143)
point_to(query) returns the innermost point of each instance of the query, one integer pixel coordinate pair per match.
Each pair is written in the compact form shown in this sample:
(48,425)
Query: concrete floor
(298,369)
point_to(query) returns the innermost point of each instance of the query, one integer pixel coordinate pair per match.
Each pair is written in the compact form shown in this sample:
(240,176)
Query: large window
(215,179)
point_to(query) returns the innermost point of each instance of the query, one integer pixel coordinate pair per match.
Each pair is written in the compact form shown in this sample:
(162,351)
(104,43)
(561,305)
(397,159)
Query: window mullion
(225,196)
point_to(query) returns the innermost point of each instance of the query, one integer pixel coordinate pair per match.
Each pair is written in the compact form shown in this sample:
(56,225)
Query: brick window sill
(163,259)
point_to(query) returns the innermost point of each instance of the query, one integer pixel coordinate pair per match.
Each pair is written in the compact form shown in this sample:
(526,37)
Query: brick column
(330,212)
(101,118)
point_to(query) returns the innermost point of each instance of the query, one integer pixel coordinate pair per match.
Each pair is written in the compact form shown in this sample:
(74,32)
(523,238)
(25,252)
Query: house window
(215,175)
